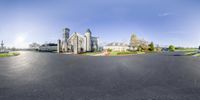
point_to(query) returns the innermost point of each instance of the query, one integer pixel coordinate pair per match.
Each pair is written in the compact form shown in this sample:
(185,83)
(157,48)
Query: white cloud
(164,14)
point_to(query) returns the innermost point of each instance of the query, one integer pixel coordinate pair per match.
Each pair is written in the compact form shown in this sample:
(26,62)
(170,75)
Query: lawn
(190,52)
(9,54)
(90,53)
(187,49)
(113,53)
(116,53)
(197,55)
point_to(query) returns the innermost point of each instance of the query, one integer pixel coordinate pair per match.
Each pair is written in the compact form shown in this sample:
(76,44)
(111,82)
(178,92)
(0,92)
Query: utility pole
(2,45)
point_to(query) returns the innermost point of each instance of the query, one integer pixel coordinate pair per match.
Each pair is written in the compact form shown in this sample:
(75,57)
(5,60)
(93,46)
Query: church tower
(88,40)
(66,34)
(65,38)
(59,46)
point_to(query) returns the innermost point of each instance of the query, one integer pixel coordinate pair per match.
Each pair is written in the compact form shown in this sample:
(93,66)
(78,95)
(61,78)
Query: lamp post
(2,46)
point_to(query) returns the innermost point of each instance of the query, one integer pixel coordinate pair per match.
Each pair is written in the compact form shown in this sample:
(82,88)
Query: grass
(197,55)
(90,53)
(113,53)
(9,54)
(189,51)
(152,51)
(116,53)
(139,52)
(126,53)
(186,51)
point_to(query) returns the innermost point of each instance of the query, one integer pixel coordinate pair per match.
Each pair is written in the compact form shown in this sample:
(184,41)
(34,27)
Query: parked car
(164,49)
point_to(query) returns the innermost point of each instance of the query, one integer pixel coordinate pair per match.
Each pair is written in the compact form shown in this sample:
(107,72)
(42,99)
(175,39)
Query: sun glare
(20,39)
(20,42)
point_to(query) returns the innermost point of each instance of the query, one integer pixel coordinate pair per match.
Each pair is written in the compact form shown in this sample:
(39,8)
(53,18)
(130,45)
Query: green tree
(139,48)
(134,42)
(109,50)
(199,47)
(171,48)
(151,47)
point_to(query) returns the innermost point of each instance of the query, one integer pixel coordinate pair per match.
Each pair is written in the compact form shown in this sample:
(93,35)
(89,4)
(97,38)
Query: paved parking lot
(51,76)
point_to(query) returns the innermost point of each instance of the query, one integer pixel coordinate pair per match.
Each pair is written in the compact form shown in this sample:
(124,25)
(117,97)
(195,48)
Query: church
(77,43)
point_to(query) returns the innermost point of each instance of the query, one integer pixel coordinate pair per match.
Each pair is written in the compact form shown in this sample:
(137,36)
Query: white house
(117,46)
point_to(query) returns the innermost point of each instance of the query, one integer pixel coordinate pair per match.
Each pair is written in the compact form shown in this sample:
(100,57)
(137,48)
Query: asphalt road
(51,76)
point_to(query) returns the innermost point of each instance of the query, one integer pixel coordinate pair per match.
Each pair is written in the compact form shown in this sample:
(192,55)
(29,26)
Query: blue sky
(163,22)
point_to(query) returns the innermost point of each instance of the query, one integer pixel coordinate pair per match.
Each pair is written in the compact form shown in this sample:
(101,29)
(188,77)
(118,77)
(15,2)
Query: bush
(109,50)
(151,47)
(171,48)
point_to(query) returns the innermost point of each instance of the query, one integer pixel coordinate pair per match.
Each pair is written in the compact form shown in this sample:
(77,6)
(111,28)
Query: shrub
(109,50)
(171,48)
(151,46)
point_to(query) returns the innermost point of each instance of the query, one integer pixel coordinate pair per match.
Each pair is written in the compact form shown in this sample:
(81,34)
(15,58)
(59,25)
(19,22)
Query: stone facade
(77,43)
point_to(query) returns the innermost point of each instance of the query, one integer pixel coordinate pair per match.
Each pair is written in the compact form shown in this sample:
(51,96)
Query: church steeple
(66,34)
(88,40)
(88,31)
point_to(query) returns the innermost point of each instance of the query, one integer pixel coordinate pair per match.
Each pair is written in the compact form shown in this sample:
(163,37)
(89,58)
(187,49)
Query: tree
(134,42)
(143,45)
(109,50)
(171,48)
(13,49)
(199,47)
(151,47)
(158,48)
(34,46)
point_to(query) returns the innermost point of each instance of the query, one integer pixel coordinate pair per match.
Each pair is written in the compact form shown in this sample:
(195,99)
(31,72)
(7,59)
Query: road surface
(51,76)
